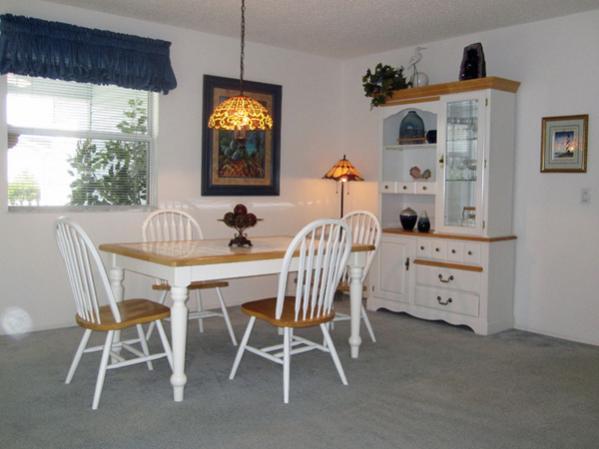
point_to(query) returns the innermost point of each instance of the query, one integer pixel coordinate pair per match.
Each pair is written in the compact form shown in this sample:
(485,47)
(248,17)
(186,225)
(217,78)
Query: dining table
(182,262)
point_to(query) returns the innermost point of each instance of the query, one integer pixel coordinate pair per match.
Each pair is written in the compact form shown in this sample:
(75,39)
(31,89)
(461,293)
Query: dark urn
(424,224)
(407,218)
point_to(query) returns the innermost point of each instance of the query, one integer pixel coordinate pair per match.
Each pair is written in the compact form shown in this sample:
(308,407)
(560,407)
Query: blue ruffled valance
(57,50)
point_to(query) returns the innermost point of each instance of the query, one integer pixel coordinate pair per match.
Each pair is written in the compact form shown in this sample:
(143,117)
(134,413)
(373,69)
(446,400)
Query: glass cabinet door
(462,161)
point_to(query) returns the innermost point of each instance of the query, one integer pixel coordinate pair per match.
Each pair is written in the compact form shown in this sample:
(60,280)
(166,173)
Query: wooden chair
(82,260)
(170,225)
(323,248)
(365,229)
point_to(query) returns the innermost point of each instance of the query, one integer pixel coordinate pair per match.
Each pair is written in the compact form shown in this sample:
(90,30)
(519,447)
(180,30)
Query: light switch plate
(585,195)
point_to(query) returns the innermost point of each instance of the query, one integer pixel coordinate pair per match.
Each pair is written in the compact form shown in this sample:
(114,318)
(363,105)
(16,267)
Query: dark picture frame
(564,144)
(231,169)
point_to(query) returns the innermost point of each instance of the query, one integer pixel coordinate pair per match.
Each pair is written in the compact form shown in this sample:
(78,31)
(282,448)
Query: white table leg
(355,297)
(116,276)
(178,339)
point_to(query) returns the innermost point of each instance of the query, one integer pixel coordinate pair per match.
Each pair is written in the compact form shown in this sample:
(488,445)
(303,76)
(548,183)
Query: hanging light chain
(242,52)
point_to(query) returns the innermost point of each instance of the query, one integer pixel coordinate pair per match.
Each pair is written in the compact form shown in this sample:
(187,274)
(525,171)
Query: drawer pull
(437,249)
(422,248)
(386,187)
(423,187)
(453,251)
(444,303)
(446,281)
(469,253)
(405,187)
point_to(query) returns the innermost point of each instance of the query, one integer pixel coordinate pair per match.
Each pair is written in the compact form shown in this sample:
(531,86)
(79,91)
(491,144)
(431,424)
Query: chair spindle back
(323,247)
(365,230)
(170,225)
(81,257)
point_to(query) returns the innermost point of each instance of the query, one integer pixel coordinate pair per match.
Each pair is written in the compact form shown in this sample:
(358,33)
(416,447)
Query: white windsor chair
(81,260)
(323,248)
(172,225)
(366,230)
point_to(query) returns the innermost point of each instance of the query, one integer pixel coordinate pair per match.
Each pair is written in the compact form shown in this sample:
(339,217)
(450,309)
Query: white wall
(32,275)
(557,61)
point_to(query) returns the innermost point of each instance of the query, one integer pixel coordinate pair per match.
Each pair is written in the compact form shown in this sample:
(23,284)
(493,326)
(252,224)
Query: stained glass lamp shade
(343,171)
(240,113)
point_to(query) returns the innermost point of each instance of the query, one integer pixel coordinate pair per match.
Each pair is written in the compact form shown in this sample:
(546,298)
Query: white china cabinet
(462,271)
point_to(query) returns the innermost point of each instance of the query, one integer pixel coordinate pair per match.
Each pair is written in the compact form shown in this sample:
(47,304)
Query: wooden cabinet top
(444,235)
(434,91)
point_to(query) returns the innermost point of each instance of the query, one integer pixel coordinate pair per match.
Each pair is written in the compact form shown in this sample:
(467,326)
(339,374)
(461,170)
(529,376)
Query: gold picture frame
(564,144)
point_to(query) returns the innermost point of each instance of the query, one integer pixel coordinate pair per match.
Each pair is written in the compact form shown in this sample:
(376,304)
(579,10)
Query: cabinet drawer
(439,249)
(472,253)
(455,250)
(448,278)
(462,303)
(388,187)
(423,248)
(426,188)
(405,187)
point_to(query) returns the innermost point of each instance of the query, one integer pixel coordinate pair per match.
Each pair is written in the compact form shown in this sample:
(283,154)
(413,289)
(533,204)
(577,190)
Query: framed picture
(247,166)
(564,144)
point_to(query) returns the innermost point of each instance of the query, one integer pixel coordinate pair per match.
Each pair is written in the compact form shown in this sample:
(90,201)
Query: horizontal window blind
(75,144)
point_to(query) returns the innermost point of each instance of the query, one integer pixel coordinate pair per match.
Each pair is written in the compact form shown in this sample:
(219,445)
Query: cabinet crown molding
(434,91)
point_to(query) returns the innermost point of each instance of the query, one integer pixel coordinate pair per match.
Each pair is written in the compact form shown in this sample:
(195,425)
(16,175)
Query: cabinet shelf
(417,146)
(460,180)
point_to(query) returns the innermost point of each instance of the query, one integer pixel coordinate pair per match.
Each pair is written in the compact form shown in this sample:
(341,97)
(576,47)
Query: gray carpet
(423,385)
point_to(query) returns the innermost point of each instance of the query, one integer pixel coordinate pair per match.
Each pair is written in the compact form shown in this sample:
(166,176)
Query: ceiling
(341,28)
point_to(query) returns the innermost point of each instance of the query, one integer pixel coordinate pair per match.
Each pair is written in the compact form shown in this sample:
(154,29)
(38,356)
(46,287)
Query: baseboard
(556,335)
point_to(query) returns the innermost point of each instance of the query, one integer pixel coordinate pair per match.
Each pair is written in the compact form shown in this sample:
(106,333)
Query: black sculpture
(473,62)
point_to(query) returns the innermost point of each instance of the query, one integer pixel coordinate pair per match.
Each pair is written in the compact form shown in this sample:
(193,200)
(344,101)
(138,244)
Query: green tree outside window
(115,174)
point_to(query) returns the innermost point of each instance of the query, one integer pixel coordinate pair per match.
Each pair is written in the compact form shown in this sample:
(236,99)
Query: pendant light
(240,113)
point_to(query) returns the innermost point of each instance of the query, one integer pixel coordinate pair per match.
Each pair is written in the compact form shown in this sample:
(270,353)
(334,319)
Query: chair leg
(286,362)
(242,345)
(165,344)
(102,370)
(153,323)
(78,354)
(200,309)
(144,345)
(329,326)
(333,351)
(226,316)
(367,323)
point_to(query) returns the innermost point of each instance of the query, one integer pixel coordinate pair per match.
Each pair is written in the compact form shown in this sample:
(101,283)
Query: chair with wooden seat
(366,230)
(323,248)
(84,268)
(172,225)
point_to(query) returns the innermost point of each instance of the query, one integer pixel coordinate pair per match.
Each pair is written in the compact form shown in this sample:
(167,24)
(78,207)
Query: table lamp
(343,171)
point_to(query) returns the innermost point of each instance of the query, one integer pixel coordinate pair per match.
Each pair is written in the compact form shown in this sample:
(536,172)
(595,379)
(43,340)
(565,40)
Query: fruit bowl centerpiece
(240,220)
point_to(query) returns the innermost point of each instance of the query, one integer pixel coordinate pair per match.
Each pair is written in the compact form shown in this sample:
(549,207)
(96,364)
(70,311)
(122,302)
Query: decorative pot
(407,218)
(411,129)
(431,136)
(419,79)
(424,224)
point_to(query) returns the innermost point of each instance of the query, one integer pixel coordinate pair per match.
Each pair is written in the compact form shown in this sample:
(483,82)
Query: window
(76,144)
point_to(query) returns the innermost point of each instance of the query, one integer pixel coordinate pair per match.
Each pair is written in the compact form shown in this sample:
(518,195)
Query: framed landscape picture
(564,144)
(247,166)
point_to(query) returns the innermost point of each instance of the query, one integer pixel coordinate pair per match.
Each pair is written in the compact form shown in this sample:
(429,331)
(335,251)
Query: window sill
(77,209)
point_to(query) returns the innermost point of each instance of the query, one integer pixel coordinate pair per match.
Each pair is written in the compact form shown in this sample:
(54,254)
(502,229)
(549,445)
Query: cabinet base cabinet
(447,288)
